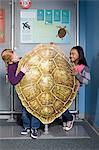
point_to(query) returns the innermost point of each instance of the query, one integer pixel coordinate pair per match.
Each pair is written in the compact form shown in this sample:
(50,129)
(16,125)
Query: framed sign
(45,26)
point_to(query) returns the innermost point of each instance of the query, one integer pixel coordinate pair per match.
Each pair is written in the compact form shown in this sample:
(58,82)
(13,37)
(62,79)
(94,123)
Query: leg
(46,129)
(67,116)
(35,124)
(25,118)
(68,120)
(25,121)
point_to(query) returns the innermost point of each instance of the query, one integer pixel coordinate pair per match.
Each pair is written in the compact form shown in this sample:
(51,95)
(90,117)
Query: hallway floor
(10,137)
(10,130)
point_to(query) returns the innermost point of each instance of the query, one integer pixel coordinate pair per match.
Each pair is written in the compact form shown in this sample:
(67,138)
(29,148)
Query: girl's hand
(25,68)
(74,72)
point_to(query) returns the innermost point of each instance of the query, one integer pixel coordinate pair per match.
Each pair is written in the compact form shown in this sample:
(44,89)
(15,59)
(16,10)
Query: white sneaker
(69,125)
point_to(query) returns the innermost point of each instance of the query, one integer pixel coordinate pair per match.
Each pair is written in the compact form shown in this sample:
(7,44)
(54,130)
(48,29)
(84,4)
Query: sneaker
(64,125)
(34,133)
(68,125)
(25,131)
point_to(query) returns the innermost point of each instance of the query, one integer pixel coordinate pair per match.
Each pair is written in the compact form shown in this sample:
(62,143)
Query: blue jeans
(67,116)
(29,121)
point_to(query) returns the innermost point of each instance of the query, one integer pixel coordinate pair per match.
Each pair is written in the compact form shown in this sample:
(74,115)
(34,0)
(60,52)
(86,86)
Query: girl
(82,74)
(11,60)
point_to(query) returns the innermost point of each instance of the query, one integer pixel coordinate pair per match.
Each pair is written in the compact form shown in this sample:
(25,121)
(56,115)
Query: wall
(46,4)
(90,27)
(82,42)
(5,87)
(5,90)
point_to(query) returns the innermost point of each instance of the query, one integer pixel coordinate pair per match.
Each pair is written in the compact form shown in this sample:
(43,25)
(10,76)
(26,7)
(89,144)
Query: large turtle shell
(48,88)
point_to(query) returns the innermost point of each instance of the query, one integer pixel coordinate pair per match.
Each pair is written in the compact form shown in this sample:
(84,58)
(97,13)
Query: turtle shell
(48,88)
(61,32)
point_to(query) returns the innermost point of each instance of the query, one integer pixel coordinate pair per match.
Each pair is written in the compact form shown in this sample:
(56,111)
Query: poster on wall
(2,38)
(45,26)
(26,25)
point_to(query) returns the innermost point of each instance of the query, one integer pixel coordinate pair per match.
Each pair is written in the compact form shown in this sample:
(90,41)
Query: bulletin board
(44,26)
(2,15)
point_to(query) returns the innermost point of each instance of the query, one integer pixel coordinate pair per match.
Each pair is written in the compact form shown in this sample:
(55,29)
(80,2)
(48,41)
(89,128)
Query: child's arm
(84,77)
(13,78)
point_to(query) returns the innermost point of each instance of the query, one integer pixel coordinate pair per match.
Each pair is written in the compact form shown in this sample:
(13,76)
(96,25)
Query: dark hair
(80,51)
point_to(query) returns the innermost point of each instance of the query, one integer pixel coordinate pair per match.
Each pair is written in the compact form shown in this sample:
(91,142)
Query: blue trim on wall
(82,42)
(89,35)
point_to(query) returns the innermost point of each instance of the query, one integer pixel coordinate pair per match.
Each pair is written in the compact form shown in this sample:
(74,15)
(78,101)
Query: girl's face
(15,57)
(74,56)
